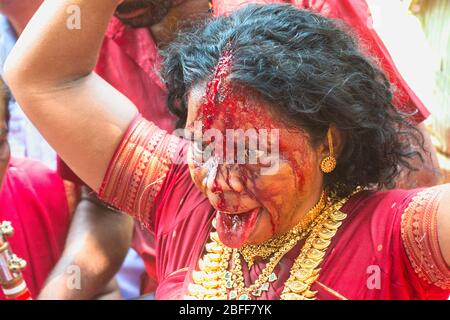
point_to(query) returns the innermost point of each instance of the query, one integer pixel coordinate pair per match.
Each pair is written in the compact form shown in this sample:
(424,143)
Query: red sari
(356,14)
(34,199)
(392,234)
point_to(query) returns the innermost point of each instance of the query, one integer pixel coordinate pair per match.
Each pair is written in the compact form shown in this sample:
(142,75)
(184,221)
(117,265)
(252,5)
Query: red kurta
(149,179)
(33,198)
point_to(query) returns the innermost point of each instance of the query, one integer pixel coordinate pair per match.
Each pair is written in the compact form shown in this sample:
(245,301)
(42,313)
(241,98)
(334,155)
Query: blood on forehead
(209,110)
(227,105)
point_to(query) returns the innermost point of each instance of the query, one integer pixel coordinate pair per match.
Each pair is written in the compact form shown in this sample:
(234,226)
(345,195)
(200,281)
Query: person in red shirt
(91,225)
(143,170)
(129,60)
(32,195)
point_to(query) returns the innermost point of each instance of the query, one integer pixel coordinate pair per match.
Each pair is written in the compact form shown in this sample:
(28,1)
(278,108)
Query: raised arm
(97,243)
(50,74)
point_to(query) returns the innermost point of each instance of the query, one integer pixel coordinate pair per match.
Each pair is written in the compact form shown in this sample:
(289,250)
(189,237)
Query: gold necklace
(305,269)
(274,245)
(212,280)
(282,244)
(236,282)
(209,282)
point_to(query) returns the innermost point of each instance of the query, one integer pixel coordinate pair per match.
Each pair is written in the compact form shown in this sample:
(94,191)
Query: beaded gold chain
(213,280)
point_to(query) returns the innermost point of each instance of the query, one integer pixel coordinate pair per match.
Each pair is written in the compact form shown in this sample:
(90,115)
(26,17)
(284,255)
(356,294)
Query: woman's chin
(262,230)
(258,238)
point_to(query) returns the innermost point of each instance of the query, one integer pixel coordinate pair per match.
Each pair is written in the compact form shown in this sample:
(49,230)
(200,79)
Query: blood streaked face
(252,207)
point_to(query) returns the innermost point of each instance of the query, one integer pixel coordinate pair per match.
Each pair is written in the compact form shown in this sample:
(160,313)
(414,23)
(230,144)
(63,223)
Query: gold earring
(328,164)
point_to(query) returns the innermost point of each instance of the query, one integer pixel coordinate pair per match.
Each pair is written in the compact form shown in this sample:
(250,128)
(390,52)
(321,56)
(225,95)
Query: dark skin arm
(97,243)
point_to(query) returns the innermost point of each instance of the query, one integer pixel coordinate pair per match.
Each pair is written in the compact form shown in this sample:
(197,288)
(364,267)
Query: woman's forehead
(234,107)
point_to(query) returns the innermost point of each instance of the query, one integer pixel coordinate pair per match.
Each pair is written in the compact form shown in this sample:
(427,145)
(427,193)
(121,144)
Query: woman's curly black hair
(314,74)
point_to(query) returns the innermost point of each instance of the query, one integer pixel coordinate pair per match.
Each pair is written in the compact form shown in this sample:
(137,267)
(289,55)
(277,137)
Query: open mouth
(235,229)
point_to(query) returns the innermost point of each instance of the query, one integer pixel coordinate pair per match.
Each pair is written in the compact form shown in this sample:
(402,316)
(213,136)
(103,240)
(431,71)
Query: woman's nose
(228,179)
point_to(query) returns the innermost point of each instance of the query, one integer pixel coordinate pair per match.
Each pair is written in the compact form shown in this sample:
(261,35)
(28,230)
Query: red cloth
(174,209)
(34,199)
(144,244)
(356,14)
(129,60)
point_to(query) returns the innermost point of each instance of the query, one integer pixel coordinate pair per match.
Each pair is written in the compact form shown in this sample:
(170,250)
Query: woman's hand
(50,74)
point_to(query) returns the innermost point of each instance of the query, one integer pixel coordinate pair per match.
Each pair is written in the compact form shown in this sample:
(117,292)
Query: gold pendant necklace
(305,270)
(214,281)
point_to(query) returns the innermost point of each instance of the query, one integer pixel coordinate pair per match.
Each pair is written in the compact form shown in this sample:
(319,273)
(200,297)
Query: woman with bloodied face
(274,188)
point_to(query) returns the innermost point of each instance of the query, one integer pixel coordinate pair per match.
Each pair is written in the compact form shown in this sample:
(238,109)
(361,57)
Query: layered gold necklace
(215,281)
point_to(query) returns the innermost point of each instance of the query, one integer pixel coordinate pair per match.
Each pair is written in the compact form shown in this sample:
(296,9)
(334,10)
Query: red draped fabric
(356,14)
(33,198)
(389,233)
(144,244)
(129,60)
